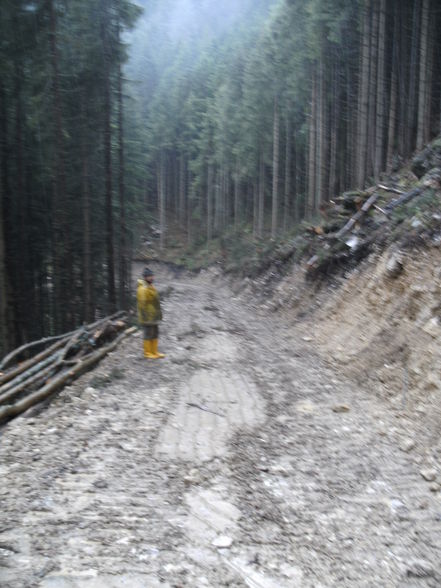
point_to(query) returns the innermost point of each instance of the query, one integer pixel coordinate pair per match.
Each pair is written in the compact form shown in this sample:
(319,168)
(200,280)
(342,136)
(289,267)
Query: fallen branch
(56,383)
(39,377)
(403,199)
(357,216)
(8,358)
(29,374)
(194,405)
(390,189)
(31,362)
(380,210)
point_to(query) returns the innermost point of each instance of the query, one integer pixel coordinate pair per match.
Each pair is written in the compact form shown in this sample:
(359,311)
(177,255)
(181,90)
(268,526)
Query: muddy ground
(241,459)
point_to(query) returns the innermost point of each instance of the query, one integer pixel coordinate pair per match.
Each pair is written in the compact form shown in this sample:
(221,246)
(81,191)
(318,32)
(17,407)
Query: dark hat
(147,272)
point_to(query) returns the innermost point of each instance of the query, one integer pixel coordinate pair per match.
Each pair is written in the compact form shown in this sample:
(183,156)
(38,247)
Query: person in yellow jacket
(149,313)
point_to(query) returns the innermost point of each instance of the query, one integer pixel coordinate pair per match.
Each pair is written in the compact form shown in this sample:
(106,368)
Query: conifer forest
(196,117)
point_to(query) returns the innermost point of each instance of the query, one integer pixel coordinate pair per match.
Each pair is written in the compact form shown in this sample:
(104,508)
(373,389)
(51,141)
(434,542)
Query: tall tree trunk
(287,187)
(236,179)
(123,250)
(61,253)
(311,203)
(4,332)
(209,202)
(162,200)
(217,201)
(255,207)
(322,137)
(428,108)
(88,299)
(379,127)
(333,135)
(422,88)
(182,189)
(21,305)
(373,63)
(349,159)
(107,105)
(275,190)
(363,108)
(261,205)
(391,134)
(87,249)
(413,78)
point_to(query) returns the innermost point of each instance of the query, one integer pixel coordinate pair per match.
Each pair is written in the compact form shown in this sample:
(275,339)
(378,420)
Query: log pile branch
(341,233)
(27,383)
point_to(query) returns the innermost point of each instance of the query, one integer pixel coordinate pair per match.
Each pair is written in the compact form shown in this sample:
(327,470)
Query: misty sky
(184,18)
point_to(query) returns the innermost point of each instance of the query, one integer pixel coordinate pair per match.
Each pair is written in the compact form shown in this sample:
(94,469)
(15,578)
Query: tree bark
(413,78)
(322,137)
(4,334)
(162,200)
(261,201)
(123,250)
(62,304)
(373,78)
(311,203)
(87,249)
(107,107)
(422,87)
(391,134)
(379,126)
(236,179)
(209,202)
(287,187)
(363,108)
(275,190)
(332,186)
(182,189)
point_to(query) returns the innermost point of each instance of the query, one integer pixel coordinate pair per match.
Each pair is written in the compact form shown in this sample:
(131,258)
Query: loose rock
(222,542)
(429,474)
(420,568)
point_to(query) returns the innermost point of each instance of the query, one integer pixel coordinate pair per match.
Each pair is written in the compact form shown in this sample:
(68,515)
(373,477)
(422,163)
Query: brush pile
(28,377)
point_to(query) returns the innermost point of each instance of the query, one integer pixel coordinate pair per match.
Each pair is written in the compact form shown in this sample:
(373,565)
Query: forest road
(240,459)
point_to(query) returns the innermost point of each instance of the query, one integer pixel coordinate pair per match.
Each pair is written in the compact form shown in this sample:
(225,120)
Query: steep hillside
(375,313)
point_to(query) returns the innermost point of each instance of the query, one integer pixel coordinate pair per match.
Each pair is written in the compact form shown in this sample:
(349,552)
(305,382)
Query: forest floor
(246,457)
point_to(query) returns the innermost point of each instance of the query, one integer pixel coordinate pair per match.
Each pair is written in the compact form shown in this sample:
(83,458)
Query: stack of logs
(345,214)
(27,382)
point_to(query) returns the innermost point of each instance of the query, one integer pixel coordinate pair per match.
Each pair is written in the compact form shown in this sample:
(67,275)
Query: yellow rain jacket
(149,306)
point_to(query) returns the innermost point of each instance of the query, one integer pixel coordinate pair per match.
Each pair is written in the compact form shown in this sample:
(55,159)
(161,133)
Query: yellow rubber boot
(155,349)
(148,349)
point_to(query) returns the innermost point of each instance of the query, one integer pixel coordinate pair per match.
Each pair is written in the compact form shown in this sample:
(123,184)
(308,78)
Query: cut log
(31,362)
(8,358)
(58,381)
(30,373)
(390,189)
(403,199)
(357,216)
(40,377)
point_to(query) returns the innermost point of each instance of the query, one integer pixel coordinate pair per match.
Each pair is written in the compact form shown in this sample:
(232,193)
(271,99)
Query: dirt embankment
(380,327)
(379,321)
